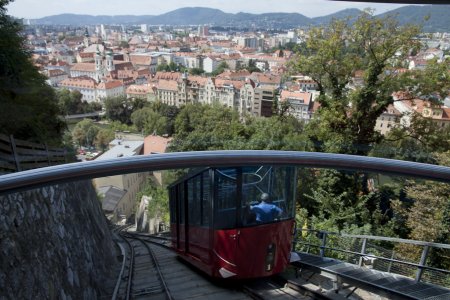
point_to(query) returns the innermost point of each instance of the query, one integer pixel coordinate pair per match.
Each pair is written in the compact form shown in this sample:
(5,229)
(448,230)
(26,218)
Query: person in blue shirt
(265,211)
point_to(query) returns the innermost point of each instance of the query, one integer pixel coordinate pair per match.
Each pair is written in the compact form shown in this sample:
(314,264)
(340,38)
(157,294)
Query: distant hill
(191,15)
(73,19)
(439,18)
(349,12)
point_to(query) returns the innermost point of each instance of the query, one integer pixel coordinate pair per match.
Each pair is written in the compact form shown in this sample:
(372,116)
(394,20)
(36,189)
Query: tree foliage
(70,103)
(84,132)
(333,55)
(158,118)
(202,127)
(419,141)
(171,67)
(427,217)
(159,203)
(103,138)
(196,71)
(149,122)
(29,109)
(120,108)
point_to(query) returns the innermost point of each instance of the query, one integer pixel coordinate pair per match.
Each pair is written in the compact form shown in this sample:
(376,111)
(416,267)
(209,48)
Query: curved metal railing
(143,163)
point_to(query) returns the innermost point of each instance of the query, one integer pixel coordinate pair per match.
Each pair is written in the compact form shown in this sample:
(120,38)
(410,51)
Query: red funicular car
(235,222)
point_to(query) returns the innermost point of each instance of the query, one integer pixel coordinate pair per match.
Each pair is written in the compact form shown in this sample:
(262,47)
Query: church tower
(99,70)
(109,61)
(86,38)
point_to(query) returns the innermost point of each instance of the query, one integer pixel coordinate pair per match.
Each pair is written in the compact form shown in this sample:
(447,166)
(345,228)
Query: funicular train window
(274,186)
(225,198)
(283,187)
(172,204)
(180,200)
(206,199)
(194,204)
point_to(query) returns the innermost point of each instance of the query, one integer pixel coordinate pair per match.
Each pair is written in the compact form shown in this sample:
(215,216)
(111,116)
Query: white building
(210,64)
(131,184)
(113,88)
(299,103)
(85,85)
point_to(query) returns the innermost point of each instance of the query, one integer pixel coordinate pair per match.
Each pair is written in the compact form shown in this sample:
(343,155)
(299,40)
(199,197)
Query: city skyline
(31,9)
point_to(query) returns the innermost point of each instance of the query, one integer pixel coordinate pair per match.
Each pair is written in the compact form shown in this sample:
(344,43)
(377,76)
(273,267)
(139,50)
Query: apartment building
(127,184)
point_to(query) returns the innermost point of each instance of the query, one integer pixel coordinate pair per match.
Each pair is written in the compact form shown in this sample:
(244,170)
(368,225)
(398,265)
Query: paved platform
(386,284)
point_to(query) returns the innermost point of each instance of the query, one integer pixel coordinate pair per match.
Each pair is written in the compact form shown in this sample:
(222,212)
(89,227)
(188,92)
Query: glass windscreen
(267,195)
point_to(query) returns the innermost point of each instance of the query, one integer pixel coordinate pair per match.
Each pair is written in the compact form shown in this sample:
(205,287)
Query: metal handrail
(381,238)
(420,266)
(377,257)
(144,163)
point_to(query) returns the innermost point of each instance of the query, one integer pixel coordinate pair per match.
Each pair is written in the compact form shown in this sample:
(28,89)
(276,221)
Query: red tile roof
(305,96)
(79,82)
(109,84)
(138,89)
(83,67)
(155,144)
(167,75)
(168,85)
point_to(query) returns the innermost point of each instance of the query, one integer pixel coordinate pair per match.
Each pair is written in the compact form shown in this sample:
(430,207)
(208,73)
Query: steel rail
(119,279)
(130,270)
(143,163)
(155,261)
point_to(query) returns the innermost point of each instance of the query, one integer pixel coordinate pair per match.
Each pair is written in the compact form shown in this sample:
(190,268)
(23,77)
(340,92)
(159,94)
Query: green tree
(124,44)
(196,71)
(427,217)
(203,127)
(220,68)
(333,54)
(419,141)
(171,67)
(28,107)
(103,138)
(346,121)
(148,121)
(159,204)
(120,108)
(84,132)
(252,66)
(70,102)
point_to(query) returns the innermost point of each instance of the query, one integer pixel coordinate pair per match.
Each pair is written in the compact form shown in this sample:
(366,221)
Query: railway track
(140,276)
(178,280)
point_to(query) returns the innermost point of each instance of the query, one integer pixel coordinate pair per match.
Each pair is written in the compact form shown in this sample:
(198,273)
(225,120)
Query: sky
(31,9)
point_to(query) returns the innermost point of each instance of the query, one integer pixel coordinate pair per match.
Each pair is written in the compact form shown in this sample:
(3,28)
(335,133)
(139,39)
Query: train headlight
(270,257)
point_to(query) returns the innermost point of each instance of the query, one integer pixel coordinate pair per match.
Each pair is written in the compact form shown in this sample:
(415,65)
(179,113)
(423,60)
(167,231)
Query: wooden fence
(18,155)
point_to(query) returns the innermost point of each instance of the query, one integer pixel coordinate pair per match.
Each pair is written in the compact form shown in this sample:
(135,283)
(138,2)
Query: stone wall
(54,243)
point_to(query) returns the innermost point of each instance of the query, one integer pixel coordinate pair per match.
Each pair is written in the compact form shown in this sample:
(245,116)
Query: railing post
(308,240)
(48,154)
(323,235)
(390,262)
(423,260)
(363,251)
(14,152)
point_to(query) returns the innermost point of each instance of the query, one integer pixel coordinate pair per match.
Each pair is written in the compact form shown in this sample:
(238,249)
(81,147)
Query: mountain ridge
(438,20)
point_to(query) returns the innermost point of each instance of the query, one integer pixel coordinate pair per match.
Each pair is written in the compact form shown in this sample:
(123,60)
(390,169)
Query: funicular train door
(227,194)
(198,233)
(181,217)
